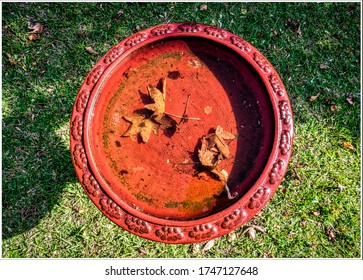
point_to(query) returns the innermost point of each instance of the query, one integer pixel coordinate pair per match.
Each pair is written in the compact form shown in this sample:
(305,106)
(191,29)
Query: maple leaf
(140,125)
(158,107)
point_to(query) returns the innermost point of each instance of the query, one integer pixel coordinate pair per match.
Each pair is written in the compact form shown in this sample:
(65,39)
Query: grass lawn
(315,47)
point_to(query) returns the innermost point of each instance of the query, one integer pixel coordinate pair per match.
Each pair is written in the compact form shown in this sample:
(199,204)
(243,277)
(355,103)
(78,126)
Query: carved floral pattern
(76,128)
(285,114)
(262,63)
(82,100)
(113,54)
(233,219)
(241,44)
(190,27)
(216,32)
(285,142)
(94,75)
(79,157)
(275,174)
(169,233)
(91,185)
(276,85)
(203,231)
(137,225)
(259,198)
(136,39)
(163,29)
(111,208)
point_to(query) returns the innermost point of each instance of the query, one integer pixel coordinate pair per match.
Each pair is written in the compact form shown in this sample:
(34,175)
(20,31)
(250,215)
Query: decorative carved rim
(230,218)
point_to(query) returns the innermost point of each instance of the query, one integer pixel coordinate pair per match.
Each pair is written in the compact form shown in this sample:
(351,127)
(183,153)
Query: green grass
(45,212)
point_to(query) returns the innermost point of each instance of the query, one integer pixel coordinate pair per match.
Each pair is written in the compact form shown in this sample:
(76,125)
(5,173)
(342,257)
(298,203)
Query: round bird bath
(158,189)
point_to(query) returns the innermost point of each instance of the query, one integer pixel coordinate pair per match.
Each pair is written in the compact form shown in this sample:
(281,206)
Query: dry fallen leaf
(331,234)
(140,125)
(208,245)
(341,187)
(334,108)
(91,50)
(11,61)
(323,66)
(196,248)
(36,28)
(316,214)
(348,146)
(32,37)
(252,233)
(350,99)
(231,236)
(158,107)
(312,98)
(303,223)
(203,7)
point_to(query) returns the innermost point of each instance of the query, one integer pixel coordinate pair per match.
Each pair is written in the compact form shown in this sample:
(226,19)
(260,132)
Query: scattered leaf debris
(350,99)
(323,66)
(341,187)
(208,245)
(36,28)
(91,50)
(312,98)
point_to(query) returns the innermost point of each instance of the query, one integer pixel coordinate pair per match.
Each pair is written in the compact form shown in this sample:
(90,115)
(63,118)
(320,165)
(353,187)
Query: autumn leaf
(348,146)
(36,28)
(158,107)
(323,66)
(91,50)
(140,125)
(11,61)
(312,98)
(33,37)
(350,99)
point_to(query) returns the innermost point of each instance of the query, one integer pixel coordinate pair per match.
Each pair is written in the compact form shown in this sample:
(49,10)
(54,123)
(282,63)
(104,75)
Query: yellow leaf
(140,125)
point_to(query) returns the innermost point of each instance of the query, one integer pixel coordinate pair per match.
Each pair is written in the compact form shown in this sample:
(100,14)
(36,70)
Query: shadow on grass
(37,164)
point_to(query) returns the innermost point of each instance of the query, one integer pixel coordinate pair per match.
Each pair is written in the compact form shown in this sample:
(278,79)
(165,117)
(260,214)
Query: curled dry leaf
(312,98)
(316,213)
(348,146)
(252,233)
(11,61)
(350,99)
(331,234)
(196,248)
(36,28)
(334,108)
(33,37)
(323,66)
(341,187)
(91,50)
(208,245)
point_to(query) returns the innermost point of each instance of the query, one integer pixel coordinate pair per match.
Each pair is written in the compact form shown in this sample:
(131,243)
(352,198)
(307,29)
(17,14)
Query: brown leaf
(331,234)
(33,37)
(120,12)
(303,223)
(350,99)
(316,214)
(158,107)
(36,28)
(348,146)
(140,125)
(203,7)
(11,61)
(312,98)
(91,50)
(323,66)
(208,245)
(334,108)
(196,248)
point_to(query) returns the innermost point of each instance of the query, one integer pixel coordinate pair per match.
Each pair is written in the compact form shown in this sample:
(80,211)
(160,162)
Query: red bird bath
(139,157)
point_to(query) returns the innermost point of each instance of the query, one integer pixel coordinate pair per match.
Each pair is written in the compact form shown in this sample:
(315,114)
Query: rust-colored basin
(142,159)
